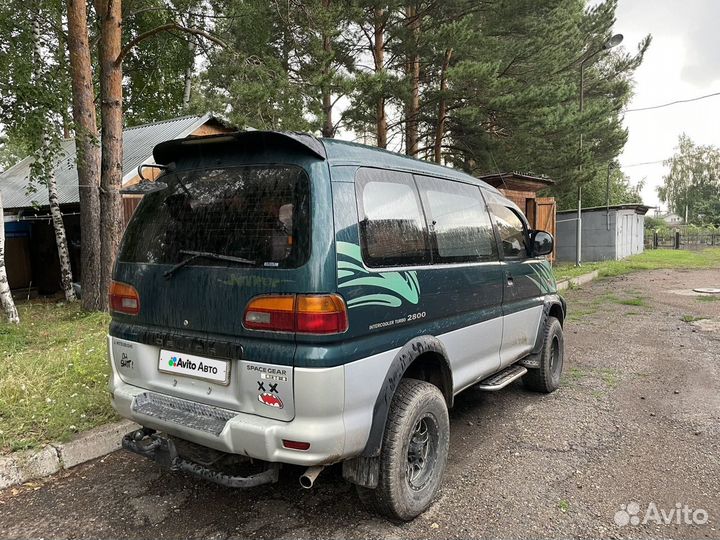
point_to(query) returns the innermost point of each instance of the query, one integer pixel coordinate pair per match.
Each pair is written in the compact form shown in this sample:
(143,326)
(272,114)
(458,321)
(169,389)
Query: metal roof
(138,144)
(517,181)
(638,208)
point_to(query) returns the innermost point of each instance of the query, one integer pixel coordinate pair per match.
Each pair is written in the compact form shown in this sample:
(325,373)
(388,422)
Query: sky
(682,62)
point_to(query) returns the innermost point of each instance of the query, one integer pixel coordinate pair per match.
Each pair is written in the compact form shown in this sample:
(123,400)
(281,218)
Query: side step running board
(502,378)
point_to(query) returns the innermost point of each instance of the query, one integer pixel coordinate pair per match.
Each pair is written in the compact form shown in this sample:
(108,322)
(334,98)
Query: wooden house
(523,190)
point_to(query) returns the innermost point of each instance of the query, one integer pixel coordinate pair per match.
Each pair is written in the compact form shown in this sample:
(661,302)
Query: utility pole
(609,44)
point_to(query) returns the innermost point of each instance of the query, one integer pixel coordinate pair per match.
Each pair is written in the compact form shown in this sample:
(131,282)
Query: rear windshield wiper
(204,255)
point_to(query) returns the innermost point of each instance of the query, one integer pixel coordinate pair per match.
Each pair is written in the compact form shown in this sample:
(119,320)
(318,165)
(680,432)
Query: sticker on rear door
(190,365)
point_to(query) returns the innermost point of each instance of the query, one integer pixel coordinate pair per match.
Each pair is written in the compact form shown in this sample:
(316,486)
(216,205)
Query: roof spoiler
(169,151)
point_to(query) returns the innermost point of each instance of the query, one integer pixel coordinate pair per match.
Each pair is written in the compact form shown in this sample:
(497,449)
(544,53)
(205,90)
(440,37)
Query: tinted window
(256,213)
(392,225)
(459,221)
(511,229)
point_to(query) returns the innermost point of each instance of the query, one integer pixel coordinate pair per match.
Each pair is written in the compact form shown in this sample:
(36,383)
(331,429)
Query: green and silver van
(282,299)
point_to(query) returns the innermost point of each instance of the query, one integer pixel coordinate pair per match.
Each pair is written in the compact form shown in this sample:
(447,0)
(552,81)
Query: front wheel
(414,452)
(546,378)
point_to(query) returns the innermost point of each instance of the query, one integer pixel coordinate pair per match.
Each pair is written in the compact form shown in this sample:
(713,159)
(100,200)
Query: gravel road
(637,420)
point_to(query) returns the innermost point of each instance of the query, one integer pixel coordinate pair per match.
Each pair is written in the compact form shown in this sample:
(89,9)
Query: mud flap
(162,450)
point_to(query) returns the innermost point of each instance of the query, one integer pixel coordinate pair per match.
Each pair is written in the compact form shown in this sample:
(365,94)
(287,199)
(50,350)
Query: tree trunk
(109,13)
(379,58)
(62,59)
(5,295)
(187,92)
(412,110)
(88,155)
(328,129)
(61,241)
(442,108)
(48,171)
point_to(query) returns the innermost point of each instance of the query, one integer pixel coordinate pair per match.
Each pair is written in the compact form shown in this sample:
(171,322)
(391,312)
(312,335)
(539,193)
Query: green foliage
(511,70)
(693,182)
(595,191)
(519,96)
(154,70)
(34,83)
(653,223)
(275,70)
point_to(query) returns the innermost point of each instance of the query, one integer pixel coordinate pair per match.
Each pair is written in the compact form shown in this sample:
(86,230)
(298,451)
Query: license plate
(189,365)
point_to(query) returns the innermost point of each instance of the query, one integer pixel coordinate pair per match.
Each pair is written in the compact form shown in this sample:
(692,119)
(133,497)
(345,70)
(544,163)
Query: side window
(393,231)
(511,229)
(459,221)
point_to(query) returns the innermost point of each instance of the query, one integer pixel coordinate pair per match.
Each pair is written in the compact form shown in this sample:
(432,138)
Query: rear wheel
(414,452)
(546,378)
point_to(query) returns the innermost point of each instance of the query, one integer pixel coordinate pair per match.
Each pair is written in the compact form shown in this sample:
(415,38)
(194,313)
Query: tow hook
(307,479)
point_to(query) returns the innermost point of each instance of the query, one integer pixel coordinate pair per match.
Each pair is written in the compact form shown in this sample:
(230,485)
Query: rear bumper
(235,433)
(162,450)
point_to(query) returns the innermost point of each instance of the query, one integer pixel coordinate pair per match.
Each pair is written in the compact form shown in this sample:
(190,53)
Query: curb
(574,282)
(20,467)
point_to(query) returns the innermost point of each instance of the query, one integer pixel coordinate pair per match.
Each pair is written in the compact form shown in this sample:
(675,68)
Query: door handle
(510,281)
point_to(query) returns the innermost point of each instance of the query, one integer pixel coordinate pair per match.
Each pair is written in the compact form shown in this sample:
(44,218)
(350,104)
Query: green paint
(404,286)
(544,279)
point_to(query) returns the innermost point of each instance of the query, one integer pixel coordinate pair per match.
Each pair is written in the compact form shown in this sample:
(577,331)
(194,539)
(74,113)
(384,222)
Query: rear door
(257,214)
(254,218)
(525,283)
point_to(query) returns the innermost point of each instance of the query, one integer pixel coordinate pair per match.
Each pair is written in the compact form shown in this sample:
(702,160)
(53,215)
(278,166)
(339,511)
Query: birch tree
(44,166)
(35,97)
(5,295)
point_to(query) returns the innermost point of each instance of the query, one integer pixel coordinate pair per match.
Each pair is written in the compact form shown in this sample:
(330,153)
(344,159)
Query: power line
(673,103)
(643,163)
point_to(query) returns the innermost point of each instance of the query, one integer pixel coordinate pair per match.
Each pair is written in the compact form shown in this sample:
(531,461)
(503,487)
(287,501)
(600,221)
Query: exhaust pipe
(310,475)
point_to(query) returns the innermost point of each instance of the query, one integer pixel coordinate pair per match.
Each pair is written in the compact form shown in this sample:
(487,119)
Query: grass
(637,301)
(572,376)
(609,376)
(564,505)
(649,260)
(53,375)
(708,298)
(581,309)
(691,318)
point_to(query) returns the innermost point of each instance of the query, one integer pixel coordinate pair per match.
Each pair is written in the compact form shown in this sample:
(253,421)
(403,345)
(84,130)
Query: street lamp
(609,44)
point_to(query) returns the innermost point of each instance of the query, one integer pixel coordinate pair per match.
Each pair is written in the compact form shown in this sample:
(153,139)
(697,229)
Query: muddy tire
(546,378)
(414,452)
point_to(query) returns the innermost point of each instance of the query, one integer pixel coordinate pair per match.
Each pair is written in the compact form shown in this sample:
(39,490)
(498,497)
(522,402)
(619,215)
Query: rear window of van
(259,213)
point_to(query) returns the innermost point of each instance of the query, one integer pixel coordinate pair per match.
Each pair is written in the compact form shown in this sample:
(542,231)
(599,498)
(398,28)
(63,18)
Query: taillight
(275,313)
(322,314)
(124,298)
(307,314)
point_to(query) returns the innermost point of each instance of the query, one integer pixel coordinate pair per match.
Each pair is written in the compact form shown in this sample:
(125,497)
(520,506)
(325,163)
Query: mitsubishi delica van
(282,299)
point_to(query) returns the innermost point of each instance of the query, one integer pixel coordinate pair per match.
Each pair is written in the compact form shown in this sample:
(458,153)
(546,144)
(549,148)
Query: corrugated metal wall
(623,238)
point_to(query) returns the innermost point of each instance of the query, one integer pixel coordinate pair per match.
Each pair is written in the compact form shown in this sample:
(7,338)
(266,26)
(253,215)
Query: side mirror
(542,243)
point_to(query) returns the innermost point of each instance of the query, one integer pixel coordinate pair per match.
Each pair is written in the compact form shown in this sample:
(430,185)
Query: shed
(31,254)
(608,232)
(522,189)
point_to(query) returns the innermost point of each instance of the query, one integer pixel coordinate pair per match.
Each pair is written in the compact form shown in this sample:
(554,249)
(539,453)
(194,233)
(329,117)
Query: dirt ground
(637,420)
